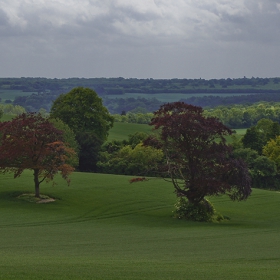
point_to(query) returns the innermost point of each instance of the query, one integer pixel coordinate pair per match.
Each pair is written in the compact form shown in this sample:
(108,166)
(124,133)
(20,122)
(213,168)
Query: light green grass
(241,131)
(102,227)
(6,117)
(120,131)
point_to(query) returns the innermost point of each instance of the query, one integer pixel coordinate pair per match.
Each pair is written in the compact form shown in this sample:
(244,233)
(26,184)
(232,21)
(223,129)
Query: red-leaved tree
(198,162)
(30,141)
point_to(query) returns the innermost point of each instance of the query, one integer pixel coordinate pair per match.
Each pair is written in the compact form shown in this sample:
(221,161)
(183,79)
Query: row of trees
(235,116)
(10,109)
(121,85)
(118,105)
(242,116)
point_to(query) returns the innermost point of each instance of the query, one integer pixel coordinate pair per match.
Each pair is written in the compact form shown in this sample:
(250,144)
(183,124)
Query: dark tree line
(132,85)
(36,101)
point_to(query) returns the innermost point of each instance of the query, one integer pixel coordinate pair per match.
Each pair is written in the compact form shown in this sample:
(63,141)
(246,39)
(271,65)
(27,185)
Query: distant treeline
(46,90)
(212,101)
(234,116)
(118,86)
(35,102)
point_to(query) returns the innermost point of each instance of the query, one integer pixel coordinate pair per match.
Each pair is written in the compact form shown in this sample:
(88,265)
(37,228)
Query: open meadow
(102,227)
(121,131)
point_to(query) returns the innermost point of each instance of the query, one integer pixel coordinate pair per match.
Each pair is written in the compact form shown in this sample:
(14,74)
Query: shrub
(201,212)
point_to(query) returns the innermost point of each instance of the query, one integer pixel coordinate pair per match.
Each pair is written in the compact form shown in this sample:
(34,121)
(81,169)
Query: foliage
(254,139)
(244,116)
(257,136)
(272,151)
(129,160)
(82,110)
(119,86)
(10,109)
(30,141)
(233,116)
(198,161)
(262,169)
(201,212)
(90,146)
(129,157)
(68,139)
(141,118)
(259,150)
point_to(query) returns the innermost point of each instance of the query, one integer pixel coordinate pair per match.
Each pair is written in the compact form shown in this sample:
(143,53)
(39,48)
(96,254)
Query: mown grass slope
(120,131)
(102,227)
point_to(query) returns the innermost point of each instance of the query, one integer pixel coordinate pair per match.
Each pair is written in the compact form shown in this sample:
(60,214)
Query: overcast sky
(140,38)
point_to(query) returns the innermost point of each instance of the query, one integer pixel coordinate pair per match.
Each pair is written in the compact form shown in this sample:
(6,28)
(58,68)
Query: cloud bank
(147,38)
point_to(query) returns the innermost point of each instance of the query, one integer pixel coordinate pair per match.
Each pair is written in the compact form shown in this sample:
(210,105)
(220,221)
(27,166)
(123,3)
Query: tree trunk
(37,183)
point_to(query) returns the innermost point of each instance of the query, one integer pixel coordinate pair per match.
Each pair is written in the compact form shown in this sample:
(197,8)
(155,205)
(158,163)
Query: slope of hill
(102,227)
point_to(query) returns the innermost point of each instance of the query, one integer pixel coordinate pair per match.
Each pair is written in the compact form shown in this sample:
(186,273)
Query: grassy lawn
(120,131)
(102,227)
(6,118)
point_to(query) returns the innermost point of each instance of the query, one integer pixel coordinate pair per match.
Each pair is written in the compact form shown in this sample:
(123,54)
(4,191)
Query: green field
(120,131)
(241,131)
(102,227)
(6,118)
(6,94)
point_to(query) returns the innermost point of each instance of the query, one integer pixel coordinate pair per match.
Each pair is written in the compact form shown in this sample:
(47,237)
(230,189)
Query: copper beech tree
(198,161)
(30,141)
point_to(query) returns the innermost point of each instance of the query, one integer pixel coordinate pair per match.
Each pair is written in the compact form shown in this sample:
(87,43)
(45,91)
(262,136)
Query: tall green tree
(83,111)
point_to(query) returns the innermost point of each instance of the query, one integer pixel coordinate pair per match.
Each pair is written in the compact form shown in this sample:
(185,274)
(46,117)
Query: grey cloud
(207,38)
(3,18)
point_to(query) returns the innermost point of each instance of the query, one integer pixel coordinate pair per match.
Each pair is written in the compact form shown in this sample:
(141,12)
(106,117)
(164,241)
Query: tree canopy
(82,110)
(198,161)
(30,141)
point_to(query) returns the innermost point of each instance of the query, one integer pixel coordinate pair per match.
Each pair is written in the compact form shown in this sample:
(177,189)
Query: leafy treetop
(198,161)
(30,141)
(82,110)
